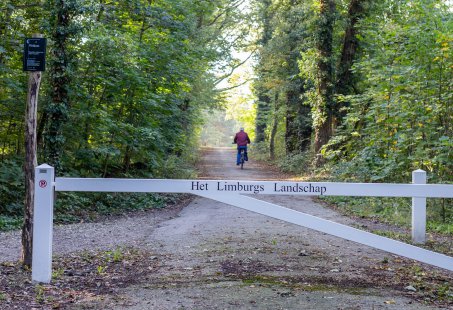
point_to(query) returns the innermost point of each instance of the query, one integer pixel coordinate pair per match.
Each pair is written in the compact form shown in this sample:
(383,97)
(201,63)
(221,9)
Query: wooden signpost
(34,62)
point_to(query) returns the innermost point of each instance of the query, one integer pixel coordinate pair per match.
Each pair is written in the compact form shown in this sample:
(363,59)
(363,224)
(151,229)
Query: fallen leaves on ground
(79,276)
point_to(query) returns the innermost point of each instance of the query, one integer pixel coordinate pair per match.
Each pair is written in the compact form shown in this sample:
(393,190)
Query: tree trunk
(40,130)
(345,84)
(322,136)
(4,25)
(350,45)
(31,162)
(298,116)
(127,159)
(291,126)
(298,123)
(305,127)
(60,81)
(264,100)
(273,129)
(325,83)
(261,117)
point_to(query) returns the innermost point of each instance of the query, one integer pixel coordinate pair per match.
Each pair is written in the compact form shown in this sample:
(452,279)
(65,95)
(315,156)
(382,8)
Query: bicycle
(242,158)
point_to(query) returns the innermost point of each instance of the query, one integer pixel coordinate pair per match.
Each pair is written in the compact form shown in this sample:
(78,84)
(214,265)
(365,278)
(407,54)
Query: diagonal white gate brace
(335,229)
(232,192)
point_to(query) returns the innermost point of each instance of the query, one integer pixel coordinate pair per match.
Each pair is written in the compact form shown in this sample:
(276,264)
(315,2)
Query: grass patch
(396,211)
(267,280)
(393,235)
(431,287)
(295,283)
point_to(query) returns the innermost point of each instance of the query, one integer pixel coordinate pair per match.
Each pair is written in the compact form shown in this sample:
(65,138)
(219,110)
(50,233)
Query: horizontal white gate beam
(199,187)
(335,229)
(229,192)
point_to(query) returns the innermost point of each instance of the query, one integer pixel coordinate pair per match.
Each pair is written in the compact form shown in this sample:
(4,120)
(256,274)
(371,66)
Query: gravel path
(221,257)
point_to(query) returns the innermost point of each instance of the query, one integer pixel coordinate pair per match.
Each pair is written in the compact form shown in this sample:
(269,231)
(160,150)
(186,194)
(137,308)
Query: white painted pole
(43,224)
(419,210)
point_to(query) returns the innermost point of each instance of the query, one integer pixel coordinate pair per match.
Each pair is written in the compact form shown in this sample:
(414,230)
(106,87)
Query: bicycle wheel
(242,159)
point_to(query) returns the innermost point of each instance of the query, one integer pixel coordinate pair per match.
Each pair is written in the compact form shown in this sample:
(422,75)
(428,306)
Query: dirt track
(214,256)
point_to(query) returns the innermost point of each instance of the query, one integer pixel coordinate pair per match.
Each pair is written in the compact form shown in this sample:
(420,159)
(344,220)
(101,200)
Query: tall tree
(324,107)
(264,100)
(279,76)
(345,80)
(398,120)
(298,114)
(63,31)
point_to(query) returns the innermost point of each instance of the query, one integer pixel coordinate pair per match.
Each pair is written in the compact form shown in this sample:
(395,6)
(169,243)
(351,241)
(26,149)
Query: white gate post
(419,210)
(43,224)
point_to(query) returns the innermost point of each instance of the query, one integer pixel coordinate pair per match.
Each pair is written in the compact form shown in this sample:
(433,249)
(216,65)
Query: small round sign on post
(42,183)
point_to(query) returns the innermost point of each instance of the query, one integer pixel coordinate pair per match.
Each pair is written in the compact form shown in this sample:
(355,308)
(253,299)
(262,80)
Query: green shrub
(259,151)
(10,222)
(11,188)
(176,167)
(72,207)
(396,210)
(296,163)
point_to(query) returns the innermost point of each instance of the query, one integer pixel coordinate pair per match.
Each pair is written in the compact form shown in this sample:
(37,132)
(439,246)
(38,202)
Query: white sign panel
(255,187)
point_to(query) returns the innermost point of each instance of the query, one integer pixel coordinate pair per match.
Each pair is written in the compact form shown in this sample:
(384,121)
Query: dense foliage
(376,76)
(361,89)
(124,90)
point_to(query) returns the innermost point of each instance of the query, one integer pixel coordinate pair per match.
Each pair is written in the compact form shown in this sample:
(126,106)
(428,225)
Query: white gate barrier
(232,192)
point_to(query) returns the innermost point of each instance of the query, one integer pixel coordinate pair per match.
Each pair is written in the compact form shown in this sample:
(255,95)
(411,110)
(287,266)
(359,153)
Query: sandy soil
(221,257)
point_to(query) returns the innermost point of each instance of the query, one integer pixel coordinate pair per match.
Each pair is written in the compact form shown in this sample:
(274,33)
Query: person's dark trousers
(238,159)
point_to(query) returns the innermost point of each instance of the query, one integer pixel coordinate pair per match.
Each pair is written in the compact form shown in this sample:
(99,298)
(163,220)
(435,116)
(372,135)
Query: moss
(295,284)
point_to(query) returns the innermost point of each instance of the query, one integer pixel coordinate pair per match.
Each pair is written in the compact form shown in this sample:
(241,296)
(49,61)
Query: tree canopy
(359,88)
(362,86)
(125,87)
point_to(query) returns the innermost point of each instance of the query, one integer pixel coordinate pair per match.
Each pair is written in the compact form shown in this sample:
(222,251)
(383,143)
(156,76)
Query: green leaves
(124,90)
(400,113)
(11,190)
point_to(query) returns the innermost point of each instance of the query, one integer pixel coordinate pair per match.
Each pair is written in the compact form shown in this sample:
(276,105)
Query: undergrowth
(397,211)
(392,210)
(73,207)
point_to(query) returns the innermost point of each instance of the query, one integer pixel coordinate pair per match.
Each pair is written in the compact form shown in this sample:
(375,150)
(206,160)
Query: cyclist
(241,139)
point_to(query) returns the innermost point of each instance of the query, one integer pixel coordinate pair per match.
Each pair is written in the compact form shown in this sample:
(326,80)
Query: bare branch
(234,86)
(233,68)
(227,10)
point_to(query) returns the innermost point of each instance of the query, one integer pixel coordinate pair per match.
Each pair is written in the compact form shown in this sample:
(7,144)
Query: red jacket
(241,138)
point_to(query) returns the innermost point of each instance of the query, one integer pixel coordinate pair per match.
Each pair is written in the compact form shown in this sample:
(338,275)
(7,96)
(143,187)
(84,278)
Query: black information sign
(35,54)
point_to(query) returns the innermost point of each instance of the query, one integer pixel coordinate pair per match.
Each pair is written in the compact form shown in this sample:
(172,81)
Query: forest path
(221,257)
(210,255)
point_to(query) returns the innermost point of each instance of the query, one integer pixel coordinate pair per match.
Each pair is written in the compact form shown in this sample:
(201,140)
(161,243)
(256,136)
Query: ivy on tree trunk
(325,77)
